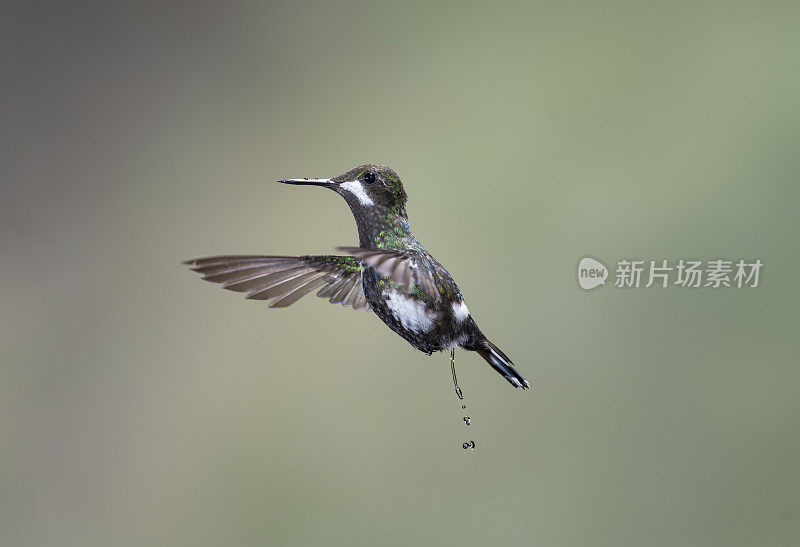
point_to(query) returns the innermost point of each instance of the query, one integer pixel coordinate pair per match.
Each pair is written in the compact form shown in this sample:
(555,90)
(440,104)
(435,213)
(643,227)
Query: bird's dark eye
(369,177)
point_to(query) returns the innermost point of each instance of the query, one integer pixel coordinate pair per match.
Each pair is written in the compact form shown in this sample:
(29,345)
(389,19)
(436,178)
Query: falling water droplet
(467,420)
(453,368)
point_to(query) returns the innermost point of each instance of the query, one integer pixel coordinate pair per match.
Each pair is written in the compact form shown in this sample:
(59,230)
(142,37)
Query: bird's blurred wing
(401,267)
(283,280)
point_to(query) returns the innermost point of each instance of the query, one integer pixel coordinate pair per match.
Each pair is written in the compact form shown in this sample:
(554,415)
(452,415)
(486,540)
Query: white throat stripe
(355,188)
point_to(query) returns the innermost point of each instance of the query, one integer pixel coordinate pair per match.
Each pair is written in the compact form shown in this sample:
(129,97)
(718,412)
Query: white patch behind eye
(355,188)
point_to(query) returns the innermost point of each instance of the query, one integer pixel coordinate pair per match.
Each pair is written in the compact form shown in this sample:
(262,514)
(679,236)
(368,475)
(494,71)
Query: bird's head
(365,187)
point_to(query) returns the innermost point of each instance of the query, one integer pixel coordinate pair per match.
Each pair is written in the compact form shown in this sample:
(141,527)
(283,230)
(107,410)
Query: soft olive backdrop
(142,406)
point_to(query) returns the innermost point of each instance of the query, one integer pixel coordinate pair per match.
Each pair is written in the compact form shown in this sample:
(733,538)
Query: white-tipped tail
(502,364)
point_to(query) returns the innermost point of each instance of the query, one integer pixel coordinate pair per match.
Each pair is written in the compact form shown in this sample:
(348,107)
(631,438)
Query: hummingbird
(389,273)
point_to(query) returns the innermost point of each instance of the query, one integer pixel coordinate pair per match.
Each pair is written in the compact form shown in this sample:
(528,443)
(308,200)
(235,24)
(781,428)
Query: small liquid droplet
(453,368)
(467,420)
(470,445)
(463,406)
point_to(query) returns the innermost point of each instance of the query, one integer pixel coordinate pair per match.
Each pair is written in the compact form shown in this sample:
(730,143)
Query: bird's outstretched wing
(283,280)
(400,266)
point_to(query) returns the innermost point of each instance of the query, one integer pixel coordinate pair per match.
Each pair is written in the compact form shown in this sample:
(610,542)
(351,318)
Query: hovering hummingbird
(390,273)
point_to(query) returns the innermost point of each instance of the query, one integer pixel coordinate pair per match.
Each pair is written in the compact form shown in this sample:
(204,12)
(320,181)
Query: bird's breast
(412,313)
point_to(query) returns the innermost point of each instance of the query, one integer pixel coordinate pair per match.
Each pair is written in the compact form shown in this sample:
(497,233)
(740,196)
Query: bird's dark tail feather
(502,364)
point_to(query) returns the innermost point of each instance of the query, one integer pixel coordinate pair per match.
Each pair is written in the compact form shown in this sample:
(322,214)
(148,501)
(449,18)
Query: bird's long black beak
(309,182)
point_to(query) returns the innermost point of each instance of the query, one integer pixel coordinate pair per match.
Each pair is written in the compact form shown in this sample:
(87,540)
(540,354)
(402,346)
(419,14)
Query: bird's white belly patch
(460,311)
(355,188)
(410,312)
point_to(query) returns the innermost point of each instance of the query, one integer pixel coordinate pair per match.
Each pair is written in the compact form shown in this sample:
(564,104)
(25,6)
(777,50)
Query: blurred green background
(142,406)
